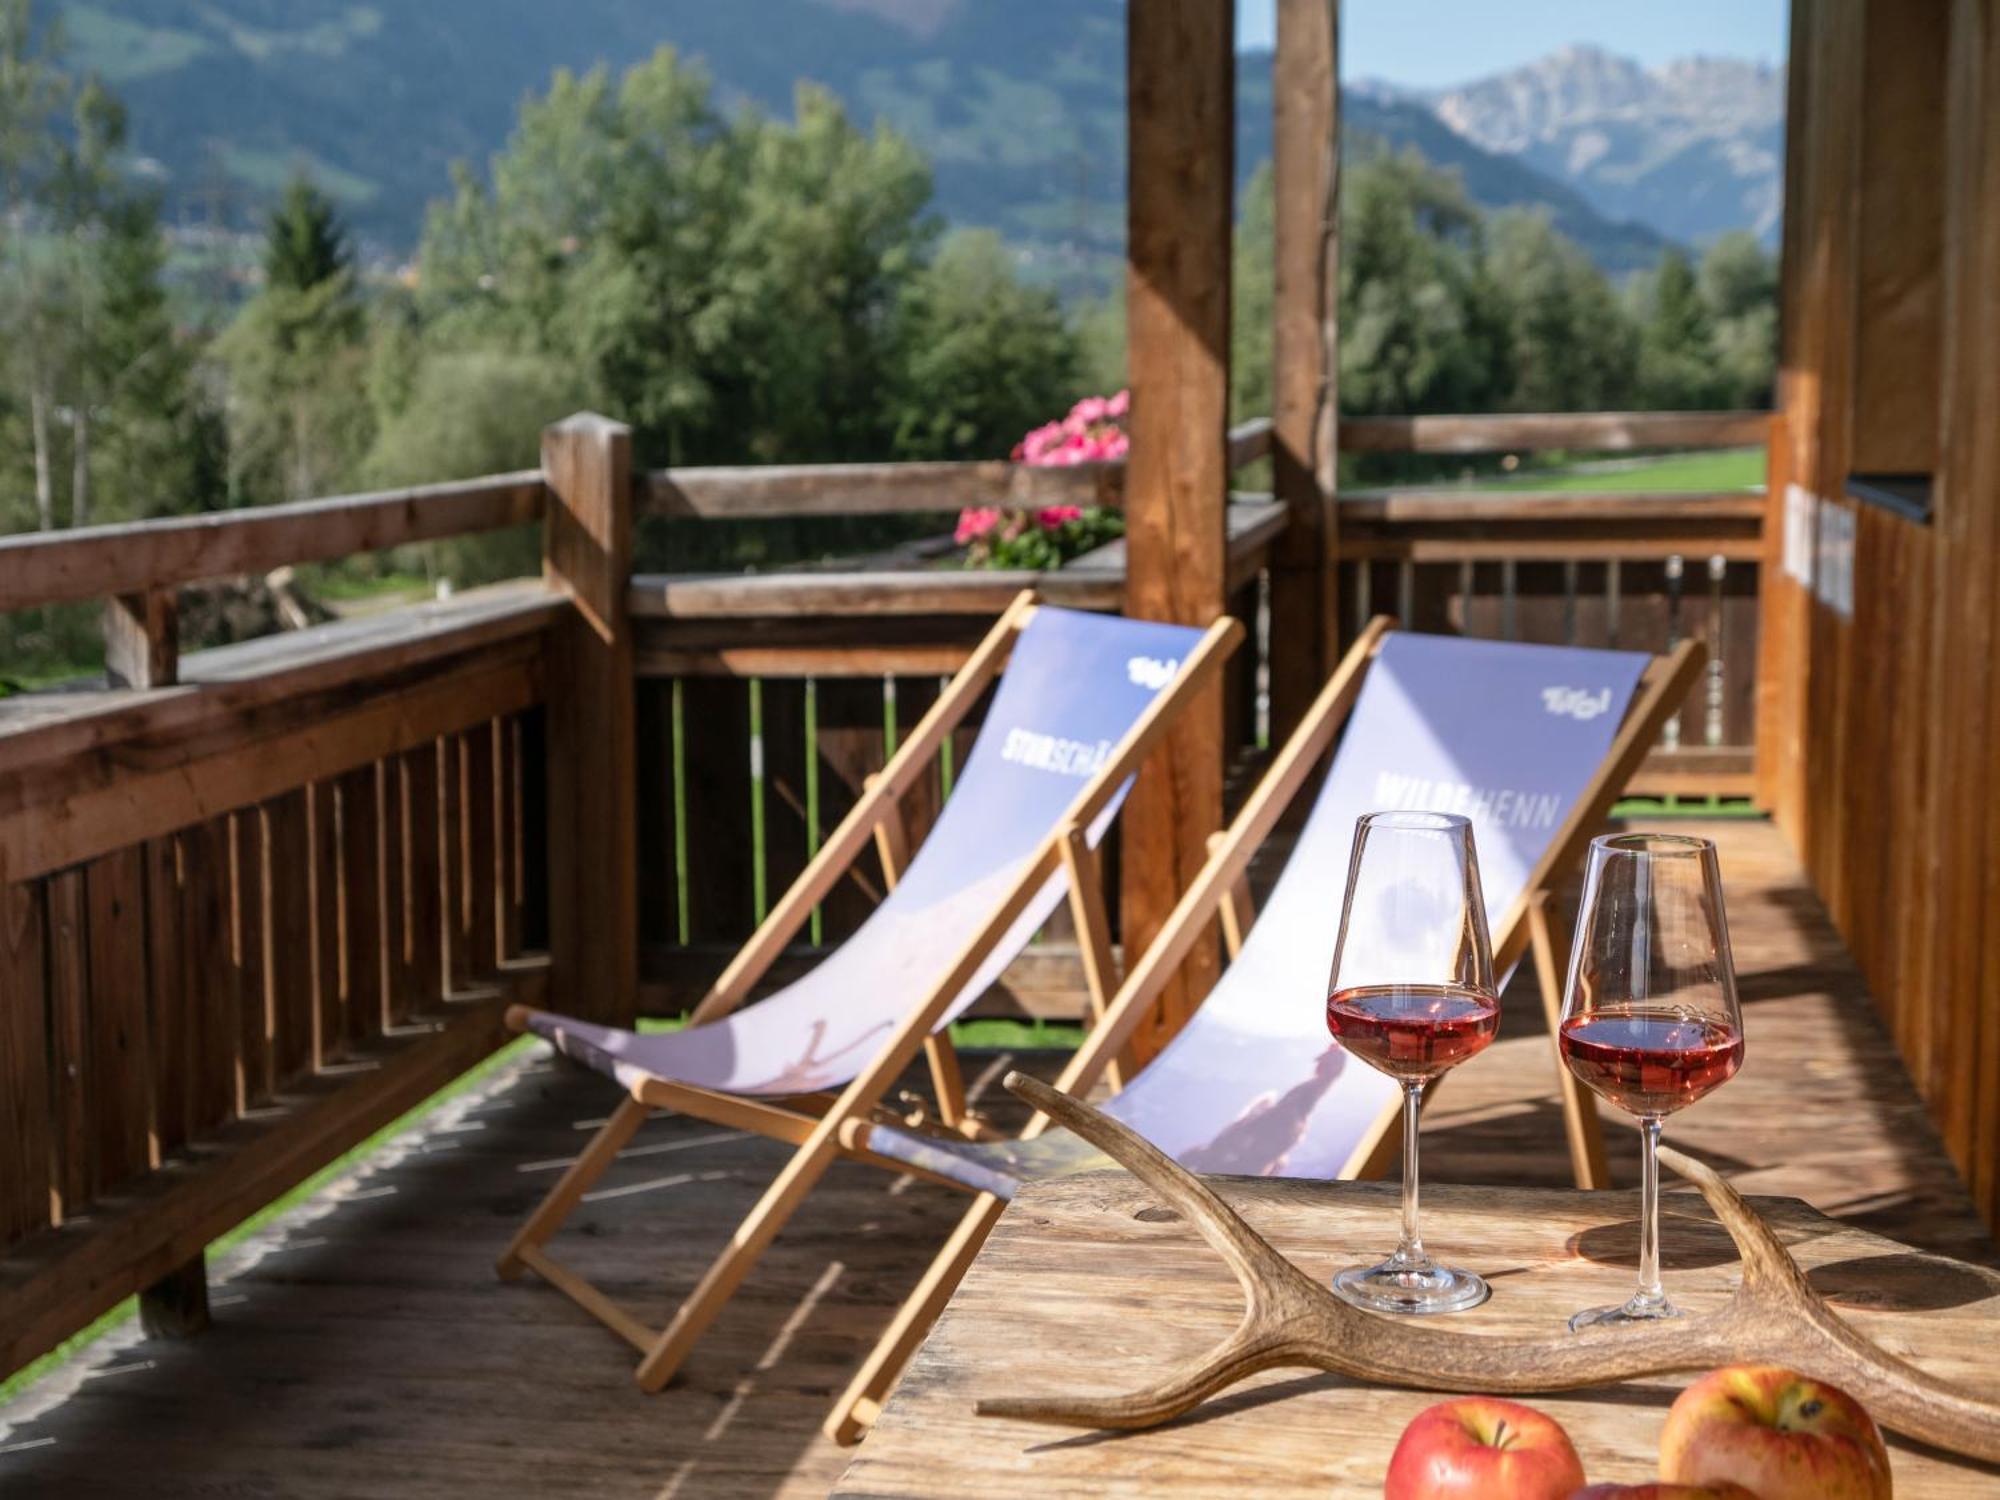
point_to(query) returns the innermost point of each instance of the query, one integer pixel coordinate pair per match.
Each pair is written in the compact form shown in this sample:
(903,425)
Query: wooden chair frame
(823,1127)
(1220,893)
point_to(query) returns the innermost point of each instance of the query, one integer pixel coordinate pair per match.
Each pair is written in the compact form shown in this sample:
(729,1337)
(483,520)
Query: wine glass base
(1414,1290)
(1633,1314)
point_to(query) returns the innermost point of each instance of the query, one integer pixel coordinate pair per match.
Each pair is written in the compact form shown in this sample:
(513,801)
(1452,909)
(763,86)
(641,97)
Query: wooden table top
(1091,1285)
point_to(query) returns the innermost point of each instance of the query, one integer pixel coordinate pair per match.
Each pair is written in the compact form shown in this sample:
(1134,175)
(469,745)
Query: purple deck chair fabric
(1507,734)
(1074,685)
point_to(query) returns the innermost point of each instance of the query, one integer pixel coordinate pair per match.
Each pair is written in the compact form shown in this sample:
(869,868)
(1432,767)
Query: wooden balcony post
(1180,81)
(592,801)
(142,639)
(176,1306)
(1305,108)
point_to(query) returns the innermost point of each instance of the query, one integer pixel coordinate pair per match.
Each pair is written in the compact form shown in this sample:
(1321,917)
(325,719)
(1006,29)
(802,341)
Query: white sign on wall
(1800,503)
(1833,562)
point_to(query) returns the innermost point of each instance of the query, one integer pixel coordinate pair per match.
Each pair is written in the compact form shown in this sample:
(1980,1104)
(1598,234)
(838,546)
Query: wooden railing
(257,900)
(1640,571)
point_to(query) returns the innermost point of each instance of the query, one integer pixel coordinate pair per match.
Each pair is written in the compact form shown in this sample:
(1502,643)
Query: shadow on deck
(363,1347)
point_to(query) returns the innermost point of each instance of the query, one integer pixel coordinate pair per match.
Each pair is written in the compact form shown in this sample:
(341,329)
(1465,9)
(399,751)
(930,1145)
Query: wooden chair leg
(1581,1125)
(712,1293)
(1235,911)
(1085,872)
(855,1411)
(946,1080)
(892,844)
(573,1184)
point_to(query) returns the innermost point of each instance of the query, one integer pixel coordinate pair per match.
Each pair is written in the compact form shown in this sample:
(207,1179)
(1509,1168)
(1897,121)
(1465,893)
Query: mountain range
(1693,149)
(1019,106)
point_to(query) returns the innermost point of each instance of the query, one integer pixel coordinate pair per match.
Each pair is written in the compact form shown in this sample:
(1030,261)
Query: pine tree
(304,241)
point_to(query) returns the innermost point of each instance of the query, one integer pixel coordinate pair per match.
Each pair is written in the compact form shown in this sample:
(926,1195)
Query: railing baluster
(757,856)
(1506,598)
(1406,592)
(682,928)
(812,796)
(1612,580)
(1676,567)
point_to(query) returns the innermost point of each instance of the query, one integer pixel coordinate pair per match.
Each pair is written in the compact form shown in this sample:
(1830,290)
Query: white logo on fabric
(1150,671)
(1576,703)
(1051,752)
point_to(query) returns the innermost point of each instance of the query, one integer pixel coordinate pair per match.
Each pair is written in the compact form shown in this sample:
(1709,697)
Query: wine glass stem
(1411,1251)
(1650,1290)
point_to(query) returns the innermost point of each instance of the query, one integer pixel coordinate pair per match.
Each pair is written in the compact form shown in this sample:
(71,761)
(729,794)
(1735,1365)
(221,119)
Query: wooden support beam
(142,639)
(592,803)
(1305,109)
(1180,60)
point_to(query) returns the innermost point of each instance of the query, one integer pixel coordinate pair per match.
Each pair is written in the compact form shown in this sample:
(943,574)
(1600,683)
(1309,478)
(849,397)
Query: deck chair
(1080,701)
(1534,743)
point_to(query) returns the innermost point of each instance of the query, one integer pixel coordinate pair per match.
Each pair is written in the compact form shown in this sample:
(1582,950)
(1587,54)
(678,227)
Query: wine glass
(1650,1021)
(1412,995)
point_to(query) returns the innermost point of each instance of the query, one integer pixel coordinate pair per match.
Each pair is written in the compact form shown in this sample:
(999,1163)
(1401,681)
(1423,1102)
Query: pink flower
(975,522)
(1051,517)
(1087,433)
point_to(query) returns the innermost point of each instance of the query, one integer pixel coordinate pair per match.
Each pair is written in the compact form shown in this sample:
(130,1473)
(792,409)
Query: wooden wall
(1880,702)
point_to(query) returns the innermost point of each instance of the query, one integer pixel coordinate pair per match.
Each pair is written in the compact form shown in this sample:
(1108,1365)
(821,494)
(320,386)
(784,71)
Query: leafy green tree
(299,417)
(599,241)
(1677,366)
(465,414)
(1739,277)
(1253,299)
(93,359)
(1413,335)
(1572,346)
(830,233)
(33,92)
(1739,284)
(980,358)
(739,289)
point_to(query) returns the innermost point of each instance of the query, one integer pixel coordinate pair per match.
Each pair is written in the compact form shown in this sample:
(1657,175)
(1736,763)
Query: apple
(1657,1491)
(1481,1448)
(1778,1433)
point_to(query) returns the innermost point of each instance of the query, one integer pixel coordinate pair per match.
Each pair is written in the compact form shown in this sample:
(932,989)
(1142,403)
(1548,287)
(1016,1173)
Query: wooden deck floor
(363,1348)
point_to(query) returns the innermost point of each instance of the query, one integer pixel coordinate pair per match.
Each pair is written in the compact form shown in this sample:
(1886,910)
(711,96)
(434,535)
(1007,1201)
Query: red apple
(1480,1448)
(1664,1492)
(1776,1432)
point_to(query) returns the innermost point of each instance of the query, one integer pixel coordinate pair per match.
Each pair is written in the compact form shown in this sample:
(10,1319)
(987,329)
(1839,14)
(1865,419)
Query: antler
(1291,1320)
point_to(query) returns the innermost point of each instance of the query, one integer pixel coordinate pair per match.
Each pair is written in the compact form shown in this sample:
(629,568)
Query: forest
(740,287)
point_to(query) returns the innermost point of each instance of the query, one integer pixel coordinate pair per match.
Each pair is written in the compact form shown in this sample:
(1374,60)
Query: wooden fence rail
(140,557)
(1595,431)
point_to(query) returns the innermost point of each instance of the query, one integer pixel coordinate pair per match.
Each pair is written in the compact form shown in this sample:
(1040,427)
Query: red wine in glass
(1650,1018)
(1412,1031)
(1650,1063)
(1411,994)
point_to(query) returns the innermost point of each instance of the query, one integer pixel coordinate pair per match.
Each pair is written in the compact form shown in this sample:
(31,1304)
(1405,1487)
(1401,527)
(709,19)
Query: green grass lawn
(1721,469)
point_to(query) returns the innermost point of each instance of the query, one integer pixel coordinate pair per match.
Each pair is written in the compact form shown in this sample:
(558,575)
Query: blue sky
(1426,43)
